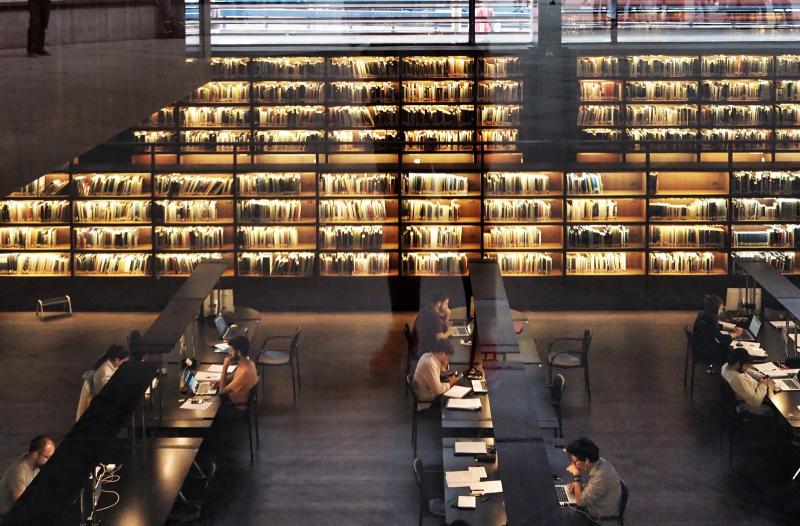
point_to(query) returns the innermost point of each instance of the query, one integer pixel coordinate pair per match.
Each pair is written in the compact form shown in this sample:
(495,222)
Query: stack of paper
(465,502)
(217,368)
(487,486)
(465,447)
(463,479)
(469,404)
(457,391)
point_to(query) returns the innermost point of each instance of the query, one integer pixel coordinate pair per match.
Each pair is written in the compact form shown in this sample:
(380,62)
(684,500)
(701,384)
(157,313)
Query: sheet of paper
(781,323)
(465,447)
(460,479)
(756,353)
(487,486)
(457,391)
(767,368)
(205,376)
(466,502)
(749,345)
(470,404)
(197,404)
(217,368)
(478,472)
(727,326)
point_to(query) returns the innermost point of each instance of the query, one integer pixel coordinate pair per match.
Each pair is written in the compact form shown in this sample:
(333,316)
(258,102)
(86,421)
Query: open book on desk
(457,391)
(468,404)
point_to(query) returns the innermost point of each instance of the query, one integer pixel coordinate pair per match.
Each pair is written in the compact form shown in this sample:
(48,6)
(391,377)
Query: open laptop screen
(222,325)
(755,326)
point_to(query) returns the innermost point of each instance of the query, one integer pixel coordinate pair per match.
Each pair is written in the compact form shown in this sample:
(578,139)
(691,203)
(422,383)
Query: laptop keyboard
(203,389)
(561,492)
(792,384)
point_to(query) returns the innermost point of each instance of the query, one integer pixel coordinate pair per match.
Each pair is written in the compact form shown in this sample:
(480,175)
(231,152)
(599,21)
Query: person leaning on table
(600,496)
(428,384)
(432,323)
(749,391)
(709,341)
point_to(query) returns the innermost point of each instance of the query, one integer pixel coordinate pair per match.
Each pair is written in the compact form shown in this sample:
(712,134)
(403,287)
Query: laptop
(462,330)
(788,384)
(479,386)
(565,498)
(225,331)
(196,387)
(751,332)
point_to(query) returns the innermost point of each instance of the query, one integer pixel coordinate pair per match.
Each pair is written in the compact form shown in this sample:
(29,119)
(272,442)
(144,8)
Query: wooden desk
(490,512)
(462,423)
(166,412)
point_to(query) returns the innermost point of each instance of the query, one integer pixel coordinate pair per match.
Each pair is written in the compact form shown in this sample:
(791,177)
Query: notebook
(467,404)
(457,391)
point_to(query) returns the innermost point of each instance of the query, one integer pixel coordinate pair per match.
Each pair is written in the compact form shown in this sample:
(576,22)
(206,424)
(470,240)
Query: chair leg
(691,383)
(586,381)
(255,418)
(414,433)
(250,436)
(263,380)
(294,387)
(297,361)
(685,368)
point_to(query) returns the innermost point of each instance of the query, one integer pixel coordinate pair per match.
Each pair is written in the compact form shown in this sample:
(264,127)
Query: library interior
(450,209)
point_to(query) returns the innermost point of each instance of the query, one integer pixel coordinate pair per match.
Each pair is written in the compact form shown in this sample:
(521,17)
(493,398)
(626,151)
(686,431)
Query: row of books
(448,67)
(182,264)
(681,262)
(356,183)
(756,210)
(229,67)
(584,183)
(276,263)
(439,140)
(772,236)
(222,92)
(742,90)
(288,67)
(352,210)
(206,184)
(516,210)
(599,90)
(524,262)
(288,92)
(364,237)
(512,237)
(501,66)
(665,90)
(661,134)
(599,66)
(270,210)
(111,211)
(766,182)
(363,92)
(42,187)
(435,183)
(432,237)
(290,116)
(500,91)
(678,115)
(596,262)
(34,263)
(589,236)
(34,211)
(195,237)
(354,264)
(737,115)
(109,184)
(661,66)
(270,183)
(685,66)
(214,116)
(505,115)
(371,116)
(364,67)
(418,116)
(425,210)
(205,137)
(434,263)
(701,209)
(591,209)
(378,140)
(787,90)
(782,261)
(736,66)
(516,182)
(113,263)
(25,237)
(106,237)
(251,237)
(438,91)
(687,236)
(185,211)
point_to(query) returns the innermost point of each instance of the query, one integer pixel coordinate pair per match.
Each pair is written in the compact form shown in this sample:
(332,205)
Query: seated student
(709,342)
(95,379)
(21,472)
(107,365)
(432,323)
(601,495)
(428,384)
(244,378)
(749,390)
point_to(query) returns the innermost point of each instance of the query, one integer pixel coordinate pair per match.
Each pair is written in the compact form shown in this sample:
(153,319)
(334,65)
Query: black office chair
(249,416)
(134,339)
(192,502)
(431,492)
(278,351)
(575,354)
(414,414)
(411,345)
(623,504)
(556,393)
(693,354)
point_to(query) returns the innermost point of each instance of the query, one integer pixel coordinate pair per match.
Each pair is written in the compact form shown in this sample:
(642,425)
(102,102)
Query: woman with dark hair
(105,366)
(710,343)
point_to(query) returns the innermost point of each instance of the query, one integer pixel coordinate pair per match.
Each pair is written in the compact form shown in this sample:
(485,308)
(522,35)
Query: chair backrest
(587,341)
(419,469)
(134,339)
(294,345)
(689,338)
(623,501)
(727,398)
(409,336)
(411,384)
(557,389)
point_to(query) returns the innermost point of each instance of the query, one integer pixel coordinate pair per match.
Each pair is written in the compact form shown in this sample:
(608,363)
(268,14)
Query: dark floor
(342,456)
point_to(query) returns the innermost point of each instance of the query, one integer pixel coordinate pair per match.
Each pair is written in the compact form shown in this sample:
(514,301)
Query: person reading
(432,323)
(431,367)
(748,390)
(23,470)
(601,495)
(101,372)
(245,377)
(709,341)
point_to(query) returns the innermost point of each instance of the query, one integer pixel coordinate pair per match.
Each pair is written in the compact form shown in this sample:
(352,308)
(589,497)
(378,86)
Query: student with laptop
(432,323)
(711,344)
(600,496)
(428,384)
(245,377)
(749,390)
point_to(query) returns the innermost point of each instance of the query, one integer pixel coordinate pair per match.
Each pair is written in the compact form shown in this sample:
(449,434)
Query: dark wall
(399,293)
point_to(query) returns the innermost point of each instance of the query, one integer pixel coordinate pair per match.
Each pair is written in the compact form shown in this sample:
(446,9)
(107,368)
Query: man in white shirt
(428,384)
(749,390)
(22,471)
